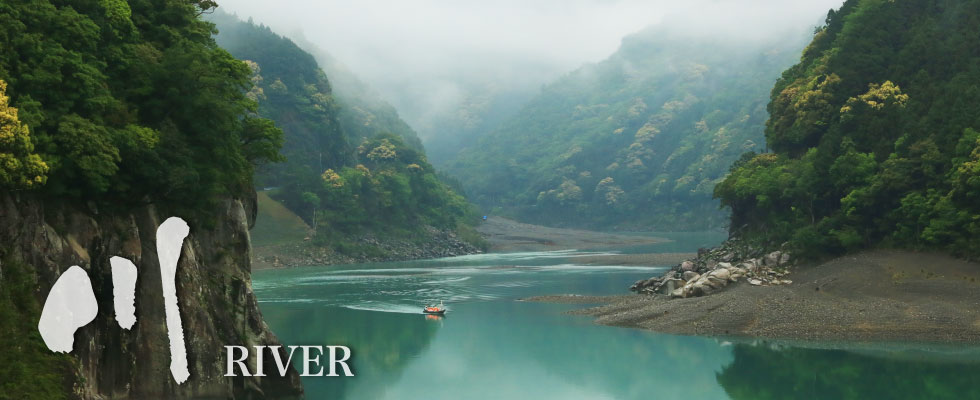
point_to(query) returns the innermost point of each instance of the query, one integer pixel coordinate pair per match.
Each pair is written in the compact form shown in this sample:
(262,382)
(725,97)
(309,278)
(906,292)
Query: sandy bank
(871,296)
(506,235)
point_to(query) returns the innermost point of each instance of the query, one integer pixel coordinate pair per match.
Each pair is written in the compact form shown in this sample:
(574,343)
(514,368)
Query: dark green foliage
(344,175)
(874,134)
(292,91)
(637,141)
(128,101)
(28,368)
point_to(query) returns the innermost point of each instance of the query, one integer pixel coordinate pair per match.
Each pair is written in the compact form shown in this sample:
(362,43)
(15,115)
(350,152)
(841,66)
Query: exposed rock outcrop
(714,269)
(217,305)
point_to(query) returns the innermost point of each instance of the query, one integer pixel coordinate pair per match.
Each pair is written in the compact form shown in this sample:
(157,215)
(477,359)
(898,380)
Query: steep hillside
(363,113)
(115,115)
(874,136)
(637,141)
(291,90)
(355,183)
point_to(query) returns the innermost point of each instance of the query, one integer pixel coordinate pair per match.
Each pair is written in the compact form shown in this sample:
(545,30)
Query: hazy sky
(423,55)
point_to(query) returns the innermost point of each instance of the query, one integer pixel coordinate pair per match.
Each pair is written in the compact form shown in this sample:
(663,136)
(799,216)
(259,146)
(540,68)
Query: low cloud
(426,55)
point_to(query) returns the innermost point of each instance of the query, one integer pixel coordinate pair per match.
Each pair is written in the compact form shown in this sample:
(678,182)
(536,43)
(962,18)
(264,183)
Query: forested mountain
(874,136)
(345,172)
(637,141)
(115,115)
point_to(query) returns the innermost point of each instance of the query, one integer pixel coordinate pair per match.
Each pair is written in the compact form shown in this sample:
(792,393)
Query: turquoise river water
(491,346)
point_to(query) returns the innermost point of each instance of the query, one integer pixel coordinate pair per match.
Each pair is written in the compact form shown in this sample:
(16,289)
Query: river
(491,346)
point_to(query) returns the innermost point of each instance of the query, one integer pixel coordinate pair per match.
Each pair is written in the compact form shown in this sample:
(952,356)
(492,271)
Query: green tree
(20,167)
(881,131)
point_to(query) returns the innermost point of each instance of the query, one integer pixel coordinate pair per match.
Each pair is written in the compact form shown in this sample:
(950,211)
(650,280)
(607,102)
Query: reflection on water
(762,372)
(382,344)
(490,346)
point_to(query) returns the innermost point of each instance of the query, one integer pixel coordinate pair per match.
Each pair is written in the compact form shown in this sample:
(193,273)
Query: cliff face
(217,304)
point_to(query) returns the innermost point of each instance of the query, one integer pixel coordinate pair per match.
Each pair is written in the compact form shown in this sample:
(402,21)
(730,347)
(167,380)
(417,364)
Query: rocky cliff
(217,304)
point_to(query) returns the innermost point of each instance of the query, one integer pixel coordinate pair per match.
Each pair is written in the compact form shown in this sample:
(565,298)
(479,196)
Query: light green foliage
(20,167)
(879,122)
(661,119)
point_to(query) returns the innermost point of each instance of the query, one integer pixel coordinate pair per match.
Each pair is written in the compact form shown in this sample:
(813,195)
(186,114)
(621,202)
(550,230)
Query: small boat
(435,310)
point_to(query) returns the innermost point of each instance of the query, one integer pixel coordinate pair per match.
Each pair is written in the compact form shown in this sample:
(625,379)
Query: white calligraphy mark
(170,239)
(70,305)
(124,291)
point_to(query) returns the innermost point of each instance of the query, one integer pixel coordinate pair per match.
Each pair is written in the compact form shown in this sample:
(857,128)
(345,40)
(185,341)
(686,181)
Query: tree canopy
(131,101)
(874,136)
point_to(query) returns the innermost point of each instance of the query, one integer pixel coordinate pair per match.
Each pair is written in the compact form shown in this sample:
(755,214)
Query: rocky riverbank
(364,248)
(883,295)
(713,269)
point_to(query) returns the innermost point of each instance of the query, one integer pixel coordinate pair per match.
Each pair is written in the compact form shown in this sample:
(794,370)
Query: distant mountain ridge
(364,113)
(637,141)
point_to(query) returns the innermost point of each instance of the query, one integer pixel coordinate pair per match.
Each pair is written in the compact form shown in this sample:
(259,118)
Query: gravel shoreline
(506,235)
(874,296)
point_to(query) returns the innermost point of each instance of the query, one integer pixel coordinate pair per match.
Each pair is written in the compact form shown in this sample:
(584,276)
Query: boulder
(669,285)
(644,283)
(751,265)
(714,283)
(755,282)
(691,276)
(721,273)
(772,259)
(784,259)
(687,266)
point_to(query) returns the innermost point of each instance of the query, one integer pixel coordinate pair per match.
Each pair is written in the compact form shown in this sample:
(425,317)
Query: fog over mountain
(455,68)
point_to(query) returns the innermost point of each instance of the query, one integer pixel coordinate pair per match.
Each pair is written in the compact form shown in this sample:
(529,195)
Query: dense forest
(346,171)
(125,102)
(637,141)
(874,136)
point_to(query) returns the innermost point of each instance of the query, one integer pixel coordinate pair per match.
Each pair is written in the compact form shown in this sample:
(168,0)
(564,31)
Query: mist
(430,58)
